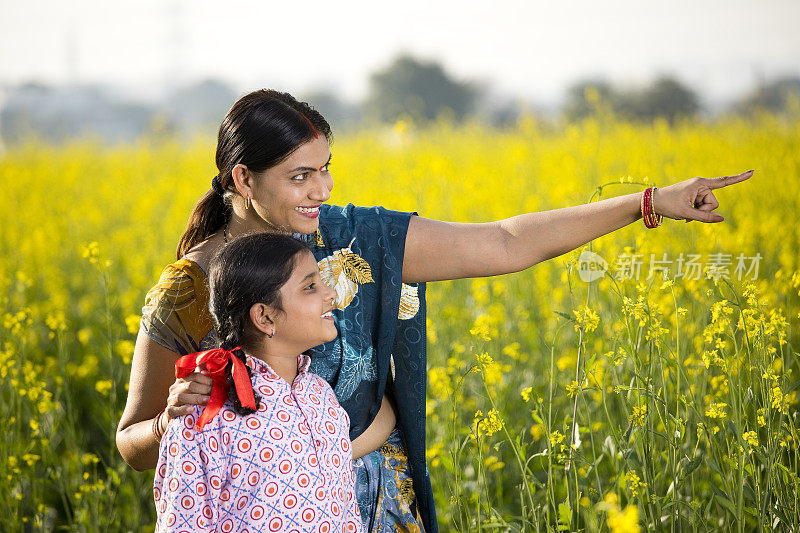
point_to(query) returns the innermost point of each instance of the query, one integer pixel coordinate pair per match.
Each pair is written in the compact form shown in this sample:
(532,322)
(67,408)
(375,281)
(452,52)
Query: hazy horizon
(527,50)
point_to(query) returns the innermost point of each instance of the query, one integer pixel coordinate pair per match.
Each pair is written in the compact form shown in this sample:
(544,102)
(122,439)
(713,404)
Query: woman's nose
(321,191)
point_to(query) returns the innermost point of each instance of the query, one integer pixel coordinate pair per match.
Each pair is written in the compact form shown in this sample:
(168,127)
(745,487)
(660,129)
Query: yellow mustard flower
(638,416)
(626,521)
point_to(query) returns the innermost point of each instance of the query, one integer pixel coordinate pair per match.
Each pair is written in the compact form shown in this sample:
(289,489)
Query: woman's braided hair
(249,270)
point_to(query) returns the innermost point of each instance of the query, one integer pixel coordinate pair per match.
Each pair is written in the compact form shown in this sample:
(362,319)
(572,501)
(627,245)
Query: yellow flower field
(683,389)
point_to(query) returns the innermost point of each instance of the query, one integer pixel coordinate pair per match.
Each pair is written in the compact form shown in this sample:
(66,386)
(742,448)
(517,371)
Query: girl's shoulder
(175,312)
(182,428)
(208,443)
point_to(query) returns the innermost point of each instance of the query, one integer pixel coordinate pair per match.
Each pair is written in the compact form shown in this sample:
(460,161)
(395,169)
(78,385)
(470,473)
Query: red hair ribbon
(215,362)
(312,126)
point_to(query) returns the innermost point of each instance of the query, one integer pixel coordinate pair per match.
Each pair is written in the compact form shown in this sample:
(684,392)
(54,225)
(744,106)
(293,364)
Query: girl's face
(306,320)
(288,195)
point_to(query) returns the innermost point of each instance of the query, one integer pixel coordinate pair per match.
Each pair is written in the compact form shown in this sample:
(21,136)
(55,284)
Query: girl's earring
(247,202)
(270,335)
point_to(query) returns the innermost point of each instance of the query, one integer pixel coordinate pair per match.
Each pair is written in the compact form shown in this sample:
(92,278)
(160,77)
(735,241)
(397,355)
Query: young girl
(278,459)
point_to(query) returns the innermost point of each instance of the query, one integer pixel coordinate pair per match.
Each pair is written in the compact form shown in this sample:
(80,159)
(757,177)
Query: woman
(273,158)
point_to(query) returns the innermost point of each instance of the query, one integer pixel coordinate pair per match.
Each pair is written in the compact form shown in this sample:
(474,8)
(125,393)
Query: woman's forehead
(314,154)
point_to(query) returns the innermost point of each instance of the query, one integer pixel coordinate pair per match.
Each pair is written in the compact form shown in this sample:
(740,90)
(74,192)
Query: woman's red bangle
(651,219)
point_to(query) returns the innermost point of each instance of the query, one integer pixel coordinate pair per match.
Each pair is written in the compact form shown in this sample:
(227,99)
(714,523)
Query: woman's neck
(244,222)
(237,226)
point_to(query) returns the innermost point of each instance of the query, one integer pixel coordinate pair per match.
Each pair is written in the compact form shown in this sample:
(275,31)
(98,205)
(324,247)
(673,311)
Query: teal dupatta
(382,328)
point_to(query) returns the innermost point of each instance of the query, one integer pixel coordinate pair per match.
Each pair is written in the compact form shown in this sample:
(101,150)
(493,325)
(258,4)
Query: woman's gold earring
(247,202)
(270,335)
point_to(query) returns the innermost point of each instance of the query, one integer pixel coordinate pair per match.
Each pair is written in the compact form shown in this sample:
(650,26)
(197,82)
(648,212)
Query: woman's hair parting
(260,131)
(249,270)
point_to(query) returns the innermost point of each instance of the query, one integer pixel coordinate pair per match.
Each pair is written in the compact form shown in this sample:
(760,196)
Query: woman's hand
(692,199)
(186,392)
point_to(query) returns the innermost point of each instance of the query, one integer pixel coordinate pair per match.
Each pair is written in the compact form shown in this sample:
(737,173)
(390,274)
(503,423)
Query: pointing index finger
(724,181)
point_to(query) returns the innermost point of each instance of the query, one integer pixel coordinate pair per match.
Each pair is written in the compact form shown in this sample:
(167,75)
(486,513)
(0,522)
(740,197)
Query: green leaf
(785,473)
(691,466)
(447,462)
(564,517)
(715,467)
(777,511)
(720,492)
(568,317)
(668,496)
(726,503)
(708,507)
(627,435)
(609,447)
(760,456)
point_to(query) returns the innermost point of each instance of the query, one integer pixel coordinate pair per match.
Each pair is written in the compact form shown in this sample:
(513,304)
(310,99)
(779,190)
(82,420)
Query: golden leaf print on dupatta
(318,238)
(409,301)
(344,270)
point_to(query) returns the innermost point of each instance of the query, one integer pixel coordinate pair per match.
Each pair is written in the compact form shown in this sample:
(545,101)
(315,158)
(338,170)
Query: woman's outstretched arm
(437,250)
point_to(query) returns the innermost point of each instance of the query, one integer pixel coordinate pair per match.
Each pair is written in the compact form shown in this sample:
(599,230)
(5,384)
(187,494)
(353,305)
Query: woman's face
(306,320)
(288,195)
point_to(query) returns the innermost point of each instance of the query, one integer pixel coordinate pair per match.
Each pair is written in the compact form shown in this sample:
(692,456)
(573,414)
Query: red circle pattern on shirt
(287,466)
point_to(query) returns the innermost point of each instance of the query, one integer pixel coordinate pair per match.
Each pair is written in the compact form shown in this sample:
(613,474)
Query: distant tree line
(407,88)
(60,113)
(666,98)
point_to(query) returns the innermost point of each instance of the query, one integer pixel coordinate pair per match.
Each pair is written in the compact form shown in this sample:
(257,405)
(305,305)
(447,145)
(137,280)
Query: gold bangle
(156,426)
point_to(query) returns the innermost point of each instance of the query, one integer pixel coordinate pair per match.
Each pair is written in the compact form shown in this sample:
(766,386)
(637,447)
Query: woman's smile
(310,212)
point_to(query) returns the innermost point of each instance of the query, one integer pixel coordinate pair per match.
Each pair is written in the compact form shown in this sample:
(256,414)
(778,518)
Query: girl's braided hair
(249,270)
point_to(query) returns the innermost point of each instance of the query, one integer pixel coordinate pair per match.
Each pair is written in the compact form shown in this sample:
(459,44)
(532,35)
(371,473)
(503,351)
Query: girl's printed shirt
(286,467)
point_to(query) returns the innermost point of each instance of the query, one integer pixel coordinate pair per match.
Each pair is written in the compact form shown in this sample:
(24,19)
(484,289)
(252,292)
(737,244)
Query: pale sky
(532,49)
